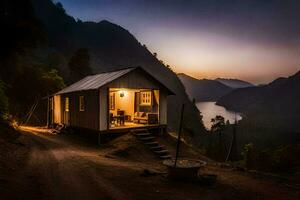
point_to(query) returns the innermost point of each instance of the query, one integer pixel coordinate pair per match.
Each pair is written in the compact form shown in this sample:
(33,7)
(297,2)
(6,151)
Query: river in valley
(209,110)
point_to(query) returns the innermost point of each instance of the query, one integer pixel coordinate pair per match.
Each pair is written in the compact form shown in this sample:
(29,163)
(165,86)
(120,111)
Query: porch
(133,108)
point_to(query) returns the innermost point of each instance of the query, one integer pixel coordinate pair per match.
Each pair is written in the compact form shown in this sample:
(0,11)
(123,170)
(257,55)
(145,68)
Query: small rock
(147,173)
(19,143)
(225,165)
(109,156)
(208,179)
(241,169)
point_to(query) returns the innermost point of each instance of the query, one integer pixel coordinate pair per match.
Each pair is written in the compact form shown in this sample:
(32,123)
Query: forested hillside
(271,113)
(50,44)
(278,100)
(24,78)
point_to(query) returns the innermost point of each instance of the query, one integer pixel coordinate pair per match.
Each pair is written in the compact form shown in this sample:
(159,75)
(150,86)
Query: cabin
(111,101)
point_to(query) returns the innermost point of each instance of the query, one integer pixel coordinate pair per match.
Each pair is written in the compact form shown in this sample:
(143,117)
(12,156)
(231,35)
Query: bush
(283,159)
(286,158)
(250,156)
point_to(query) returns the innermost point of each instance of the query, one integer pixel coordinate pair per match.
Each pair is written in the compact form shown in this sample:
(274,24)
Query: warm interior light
(122,93)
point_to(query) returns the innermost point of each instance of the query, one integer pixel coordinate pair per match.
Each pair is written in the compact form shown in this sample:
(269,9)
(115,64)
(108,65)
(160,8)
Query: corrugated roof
(95,81)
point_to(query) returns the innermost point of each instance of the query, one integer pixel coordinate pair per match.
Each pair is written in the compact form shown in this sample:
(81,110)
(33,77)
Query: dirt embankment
(13,156)
(36,164)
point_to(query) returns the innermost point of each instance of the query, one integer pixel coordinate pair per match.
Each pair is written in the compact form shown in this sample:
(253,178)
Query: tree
(79,65)
(57,60)
(60,6)
(51,82)
(218,125)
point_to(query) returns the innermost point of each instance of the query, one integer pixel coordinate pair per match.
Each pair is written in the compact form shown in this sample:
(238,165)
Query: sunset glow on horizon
(254,41)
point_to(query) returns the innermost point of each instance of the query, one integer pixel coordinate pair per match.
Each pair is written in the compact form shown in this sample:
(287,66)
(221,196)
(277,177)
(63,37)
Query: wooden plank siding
(57,109)
(87,118)
(163,106)
(103,101)
(136,79)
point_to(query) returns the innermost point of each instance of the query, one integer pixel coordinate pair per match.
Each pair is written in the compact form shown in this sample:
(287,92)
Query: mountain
(278,99)
(113,47)
(234,83)
(203,89)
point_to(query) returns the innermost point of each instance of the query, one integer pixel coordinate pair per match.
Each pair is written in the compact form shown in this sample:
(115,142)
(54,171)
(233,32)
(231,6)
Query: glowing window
(67,104)
(81,103)
(112,101)
(146,98)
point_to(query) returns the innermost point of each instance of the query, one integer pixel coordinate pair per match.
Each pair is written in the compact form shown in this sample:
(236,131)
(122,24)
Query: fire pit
(185,168)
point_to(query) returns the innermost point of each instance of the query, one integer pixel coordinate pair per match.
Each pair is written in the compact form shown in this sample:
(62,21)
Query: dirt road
(64,167)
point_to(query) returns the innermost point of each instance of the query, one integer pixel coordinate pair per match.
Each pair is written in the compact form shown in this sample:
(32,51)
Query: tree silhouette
(79,65)
(218,125)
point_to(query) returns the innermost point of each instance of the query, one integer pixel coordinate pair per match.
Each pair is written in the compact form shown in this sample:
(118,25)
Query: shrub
(250,156)
(286,158)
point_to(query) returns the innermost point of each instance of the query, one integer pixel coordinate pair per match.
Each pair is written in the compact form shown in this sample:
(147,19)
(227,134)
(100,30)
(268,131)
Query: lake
(209,110)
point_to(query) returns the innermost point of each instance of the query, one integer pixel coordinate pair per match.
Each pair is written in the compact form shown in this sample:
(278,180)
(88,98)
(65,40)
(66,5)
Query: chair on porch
(145,118)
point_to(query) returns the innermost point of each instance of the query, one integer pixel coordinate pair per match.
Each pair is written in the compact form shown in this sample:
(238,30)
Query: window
(67,104)
(81,103)
(146,98)
(111,101)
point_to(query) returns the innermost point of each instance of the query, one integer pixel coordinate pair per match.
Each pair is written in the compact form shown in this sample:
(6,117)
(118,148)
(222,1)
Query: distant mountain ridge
(203,89)
(234,83)
(245,99)
(279,99)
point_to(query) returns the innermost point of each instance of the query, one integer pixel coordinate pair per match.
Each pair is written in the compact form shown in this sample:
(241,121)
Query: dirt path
(64,171)
(59,167)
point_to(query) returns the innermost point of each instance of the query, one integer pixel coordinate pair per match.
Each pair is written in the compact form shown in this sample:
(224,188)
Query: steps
(156,148)
(149,140)
(152,144)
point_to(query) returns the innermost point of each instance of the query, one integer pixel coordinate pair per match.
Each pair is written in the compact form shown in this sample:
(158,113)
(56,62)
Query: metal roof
(95,81)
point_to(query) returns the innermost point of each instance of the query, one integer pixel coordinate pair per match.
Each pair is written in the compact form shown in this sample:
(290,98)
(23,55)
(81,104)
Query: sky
(253,40)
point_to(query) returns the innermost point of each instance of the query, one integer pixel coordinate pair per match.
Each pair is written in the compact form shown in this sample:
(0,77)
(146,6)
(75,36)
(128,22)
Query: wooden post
(179,135)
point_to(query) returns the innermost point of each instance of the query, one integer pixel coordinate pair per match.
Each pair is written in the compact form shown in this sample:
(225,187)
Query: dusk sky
(255,40)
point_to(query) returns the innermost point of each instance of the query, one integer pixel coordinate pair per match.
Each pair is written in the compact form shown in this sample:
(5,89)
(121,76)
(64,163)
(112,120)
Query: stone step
(152,144)
(156,148)
(144,134)
(139,131)
(165,157)
(162,152)
(147,138)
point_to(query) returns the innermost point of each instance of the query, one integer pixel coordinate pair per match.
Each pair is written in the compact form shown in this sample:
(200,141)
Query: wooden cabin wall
(89,118)
(103,110)
(163,105)
(136,79)
(57,109)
